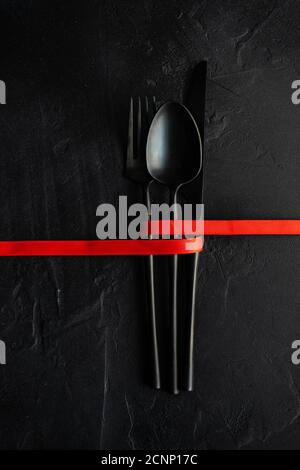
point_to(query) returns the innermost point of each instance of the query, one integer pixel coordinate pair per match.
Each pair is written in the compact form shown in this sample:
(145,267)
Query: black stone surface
(74,326)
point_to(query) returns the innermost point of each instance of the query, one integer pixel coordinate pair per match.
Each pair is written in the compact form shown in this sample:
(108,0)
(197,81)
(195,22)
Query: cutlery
(142,111)
(173,158)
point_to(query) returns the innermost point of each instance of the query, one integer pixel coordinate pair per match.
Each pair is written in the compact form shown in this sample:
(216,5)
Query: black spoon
(174,158)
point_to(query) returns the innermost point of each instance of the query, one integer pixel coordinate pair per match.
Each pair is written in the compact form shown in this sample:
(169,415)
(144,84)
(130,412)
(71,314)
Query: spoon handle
(174,329)
(174,315)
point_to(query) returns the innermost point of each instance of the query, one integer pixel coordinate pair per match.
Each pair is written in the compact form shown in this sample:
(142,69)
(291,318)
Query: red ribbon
(252,227)
(148,247)
(100,247)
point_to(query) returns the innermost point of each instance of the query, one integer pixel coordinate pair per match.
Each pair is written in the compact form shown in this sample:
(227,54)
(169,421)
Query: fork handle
(156,379)
(152,324)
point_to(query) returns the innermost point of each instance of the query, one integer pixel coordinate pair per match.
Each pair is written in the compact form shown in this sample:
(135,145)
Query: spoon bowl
(174,155)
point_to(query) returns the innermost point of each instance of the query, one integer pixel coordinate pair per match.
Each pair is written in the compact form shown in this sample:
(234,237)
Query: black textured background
(73,325)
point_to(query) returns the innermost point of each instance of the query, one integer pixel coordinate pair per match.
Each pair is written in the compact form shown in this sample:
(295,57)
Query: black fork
(142,111)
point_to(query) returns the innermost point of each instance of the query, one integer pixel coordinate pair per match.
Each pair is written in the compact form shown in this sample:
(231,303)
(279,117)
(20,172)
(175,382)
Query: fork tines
(141,113)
